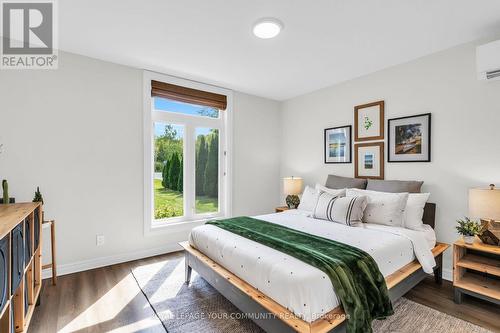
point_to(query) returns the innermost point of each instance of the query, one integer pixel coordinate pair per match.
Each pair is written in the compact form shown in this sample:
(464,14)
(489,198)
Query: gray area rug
(200,308)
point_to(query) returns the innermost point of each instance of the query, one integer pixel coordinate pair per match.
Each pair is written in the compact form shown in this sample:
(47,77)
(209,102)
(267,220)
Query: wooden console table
(20,264)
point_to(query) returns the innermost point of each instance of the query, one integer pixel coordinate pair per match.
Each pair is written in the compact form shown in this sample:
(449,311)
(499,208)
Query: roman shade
(188,95)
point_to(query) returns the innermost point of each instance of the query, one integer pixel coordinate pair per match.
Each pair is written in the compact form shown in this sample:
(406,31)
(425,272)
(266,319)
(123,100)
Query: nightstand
(476,271)
(281,209)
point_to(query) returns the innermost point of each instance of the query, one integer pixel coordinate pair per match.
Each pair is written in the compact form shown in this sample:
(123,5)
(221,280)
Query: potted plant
(38,196)
(468,229)
(5,198)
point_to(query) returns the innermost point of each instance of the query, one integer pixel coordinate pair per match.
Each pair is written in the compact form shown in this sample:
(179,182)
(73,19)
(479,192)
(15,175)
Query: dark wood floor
(109,300)
(482,313)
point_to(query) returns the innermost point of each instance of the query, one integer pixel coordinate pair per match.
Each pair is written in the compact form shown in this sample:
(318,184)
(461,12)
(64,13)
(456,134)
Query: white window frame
(223,123)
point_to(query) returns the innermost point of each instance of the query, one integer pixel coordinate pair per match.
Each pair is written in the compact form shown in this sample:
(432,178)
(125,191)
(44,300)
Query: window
(186,151)
(206,170)
(167,105)
(168,182)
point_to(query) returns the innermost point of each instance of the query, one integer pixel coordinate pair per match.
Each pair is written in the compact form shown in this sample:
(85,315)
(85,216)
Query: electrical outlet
(99,240)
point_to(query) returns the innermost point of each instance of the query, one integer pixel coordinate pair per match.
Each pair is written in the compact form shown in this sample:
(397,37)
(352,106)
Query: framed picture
(369,121)
(338,144)
(369,160)
(409,139)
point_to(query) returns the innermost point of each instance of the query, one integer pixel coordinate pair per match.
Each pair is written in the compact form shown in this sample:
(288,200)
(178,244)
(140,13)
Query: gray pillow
(338,182)
(394,186)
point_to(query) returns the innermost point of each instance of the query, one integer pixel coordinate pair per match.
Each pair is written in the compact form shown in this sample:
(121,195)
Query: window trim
(182,224)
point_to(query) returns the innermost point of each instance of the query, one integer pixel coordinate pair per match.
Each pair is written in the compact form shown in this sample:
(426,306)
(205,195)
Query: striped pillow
(344,210)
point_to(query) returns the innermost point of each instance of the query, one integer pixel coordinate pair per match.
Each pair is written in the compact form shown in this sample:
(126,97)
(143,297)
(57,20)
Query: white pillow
(347,211)
(383,208)
(415,210)
(339,192)
(309,199)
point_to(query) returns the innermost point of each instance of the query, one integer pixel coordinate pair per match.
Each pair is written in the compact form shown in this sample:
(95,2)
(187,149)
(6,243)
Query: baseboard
(86,265)
(447,274)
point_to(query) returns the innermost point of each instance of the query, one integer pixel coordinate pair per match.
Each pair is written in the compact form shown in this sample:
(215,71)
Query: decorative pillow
(394,186)
(309,199)
(338,182)
(383,208)
(348,211)
(321,188)
(415,210)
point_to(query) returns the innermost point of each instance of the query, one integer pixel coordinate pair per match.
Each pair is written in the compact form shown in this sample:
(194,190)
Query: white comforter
(300,287)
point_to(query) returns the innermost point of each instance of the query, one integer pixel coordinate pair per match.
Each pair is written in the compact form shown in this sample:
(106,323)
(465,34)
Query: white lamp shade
(484,203)
(292,185)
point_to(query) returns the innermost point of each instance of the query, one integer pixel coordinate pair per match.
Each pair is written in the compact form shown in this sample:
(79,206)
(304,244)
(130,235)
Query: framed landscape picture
(369,160)
(409,139)
(369,121)
(338,144)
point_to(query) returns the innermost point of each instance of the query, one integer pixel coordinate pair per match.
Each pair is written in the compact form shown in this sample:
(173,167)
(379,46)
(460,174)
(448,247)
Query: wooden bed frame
(273,317)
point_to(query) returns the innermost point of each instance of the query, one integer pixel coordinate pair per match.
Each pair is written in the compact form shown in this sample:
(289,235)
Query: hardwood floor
(101,300)
(108,300)
(474,310)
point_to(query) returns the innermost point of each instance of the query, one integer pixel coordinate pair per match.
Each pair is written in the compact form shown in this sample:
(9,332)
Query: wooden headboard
(429,214)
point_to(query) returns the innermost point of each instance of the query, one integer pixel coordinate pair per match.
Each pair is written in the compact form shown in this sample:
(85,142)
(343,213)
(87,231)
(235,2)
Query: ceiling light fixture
(267,28)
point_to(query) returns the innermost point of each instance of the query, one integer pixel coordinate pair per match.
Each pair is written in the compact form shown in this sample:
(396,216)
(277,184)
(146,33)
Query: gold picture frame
(369,121)
(369,160)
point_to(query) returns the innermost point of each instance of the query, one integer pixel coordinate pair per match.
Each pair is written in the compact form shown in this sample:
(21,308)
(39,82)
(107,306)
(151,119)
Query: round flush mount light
(267,28)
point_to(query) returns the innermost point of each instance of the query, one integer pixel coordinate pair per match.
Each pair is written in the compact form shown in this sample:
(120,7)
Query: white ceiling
(323,42)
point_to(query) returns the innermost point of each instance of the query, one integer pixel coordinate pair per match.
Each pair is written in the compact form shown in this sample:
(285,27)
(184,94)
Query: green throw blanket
(354,274)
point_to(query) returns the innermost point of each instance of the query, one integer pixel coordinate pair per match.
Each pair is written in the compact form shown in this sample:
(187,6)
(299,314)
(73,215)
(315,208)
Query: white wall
(256,151)
(465,134)
(77,133)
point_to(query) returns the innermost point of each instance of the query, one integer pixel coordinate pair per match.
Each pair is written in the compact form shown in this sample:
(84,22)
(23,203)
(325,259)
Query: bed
(284,294)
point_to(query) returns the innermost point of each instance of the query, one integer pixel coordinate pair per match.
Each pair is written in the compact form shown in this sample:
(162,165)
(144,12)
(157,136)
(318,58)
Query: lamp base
(292,201)
(490,232)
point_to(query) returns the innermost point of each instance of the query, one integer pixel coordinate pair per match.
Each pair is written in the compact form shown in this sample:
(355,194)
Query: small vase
(469,239)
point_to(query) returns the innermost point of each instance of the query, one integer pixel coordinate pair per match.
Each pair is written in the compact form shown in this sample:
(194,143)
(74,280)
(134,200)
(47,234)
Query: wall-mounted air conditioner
(488,61)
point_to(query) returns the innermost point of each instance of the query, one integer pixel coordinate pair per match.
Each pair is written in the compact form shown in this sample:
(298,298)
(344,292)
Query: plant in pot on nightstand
(468,228)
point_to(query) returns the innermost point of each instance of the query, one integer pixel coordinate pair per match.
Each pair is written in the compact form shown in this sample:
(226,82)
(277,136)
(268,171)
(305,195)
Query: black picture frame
(349,127)
(428,137)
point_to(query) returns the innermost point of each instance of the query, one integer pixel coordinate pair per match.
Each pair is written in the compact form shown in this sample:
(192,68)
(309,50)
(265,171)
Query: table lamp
(292,186)
(485,204)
